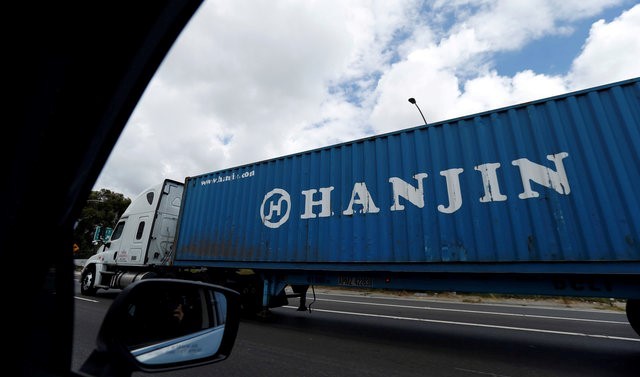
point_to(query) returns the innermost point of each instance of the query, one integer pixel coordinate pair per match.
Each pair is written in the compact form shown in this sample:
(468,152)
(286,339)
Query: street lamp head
(413,101)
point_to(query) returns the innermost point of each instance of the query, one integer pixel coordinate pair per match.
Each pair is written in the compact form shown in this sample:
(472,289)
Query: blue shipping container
(545,182)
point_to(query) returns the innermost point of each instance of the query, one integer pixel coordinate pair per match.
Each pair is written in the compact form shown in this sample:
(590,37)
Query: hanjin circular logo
(278,208)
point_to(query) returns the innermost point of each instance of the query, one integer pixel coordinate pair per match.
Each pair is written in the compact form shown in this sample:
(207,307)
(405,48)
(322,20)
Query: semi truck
(540,198)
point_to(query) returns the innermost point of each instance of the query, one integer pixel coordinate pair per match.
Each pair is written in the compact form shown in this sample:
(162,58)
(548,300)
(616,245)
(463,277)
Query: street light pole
(413,101)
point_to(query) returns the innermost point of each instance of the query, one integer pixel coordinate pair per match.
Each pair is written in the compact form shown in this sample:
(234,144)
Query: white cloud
(508,24)
(611,53)
(493,91)
(454,77)
(433,88)
(254,80)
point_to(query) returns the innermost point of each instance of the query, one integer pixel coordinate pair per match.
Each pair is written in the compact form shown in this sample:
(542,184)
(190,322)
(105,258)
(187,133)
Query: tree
(103,208)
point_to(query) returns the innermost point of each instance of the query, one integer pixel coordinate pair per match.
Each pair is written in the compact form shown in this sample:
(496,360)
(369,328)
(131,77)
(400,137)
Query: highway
(349,333)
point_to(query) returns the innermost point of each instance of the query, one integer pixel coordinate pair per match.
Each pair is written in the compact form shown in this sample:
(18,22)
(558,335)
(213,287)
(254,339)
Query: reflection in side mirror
(185,348)
(166,324)
(175,325)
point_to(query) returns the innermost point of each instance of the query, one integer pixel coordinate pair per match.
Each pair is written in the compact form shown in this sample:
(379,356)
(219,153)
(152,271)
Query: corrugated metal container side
(554,180)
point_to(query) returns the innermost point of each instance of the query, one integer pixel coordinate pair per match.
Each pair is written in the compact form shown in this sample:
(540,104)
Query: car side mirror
(157,325)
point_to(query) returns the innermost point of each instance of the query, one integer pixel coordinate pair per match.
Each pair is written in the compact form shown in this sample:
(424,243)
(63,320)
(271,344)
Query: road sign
(96,234)
(107,233)
(102,234)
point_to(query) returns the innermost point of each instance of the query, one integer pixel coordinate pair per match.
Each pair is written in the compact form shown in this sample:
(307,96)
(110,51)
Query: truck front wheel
(633,314)
(88,281)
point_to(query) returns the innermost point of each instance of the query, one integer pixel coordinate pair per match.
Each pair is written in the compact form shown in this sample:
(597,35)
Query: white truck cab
(142,238)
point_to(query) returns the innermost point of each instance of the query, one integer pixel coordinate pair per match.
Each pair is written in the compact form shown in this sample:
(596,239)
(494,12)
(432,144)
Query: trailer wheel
(633,314)
(88,281)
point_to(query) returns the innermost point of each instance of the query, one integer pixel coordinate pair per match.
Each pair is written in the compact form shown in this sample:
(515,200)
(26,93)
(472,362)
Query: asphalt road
(351,334)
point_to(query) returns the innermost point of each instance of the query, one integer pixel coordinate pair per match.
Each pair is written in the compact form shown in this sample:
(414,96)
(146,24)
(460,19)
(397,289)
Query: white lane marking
(85,299)
(526,306)
(480,372)
(471,324)
(474,311)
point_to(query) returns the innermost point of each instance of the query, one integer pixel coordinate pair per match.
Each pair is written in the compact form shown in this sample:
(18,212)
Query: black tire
(633,314)
(88,281)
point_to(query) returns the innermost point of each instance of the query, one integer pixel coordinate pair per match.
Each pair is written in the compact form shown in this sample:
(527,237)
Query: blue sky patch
(554,54)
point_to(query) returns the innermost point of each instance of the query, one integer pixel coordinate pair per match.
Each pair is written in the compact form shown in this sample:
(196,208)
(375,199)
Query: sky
(251,80)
